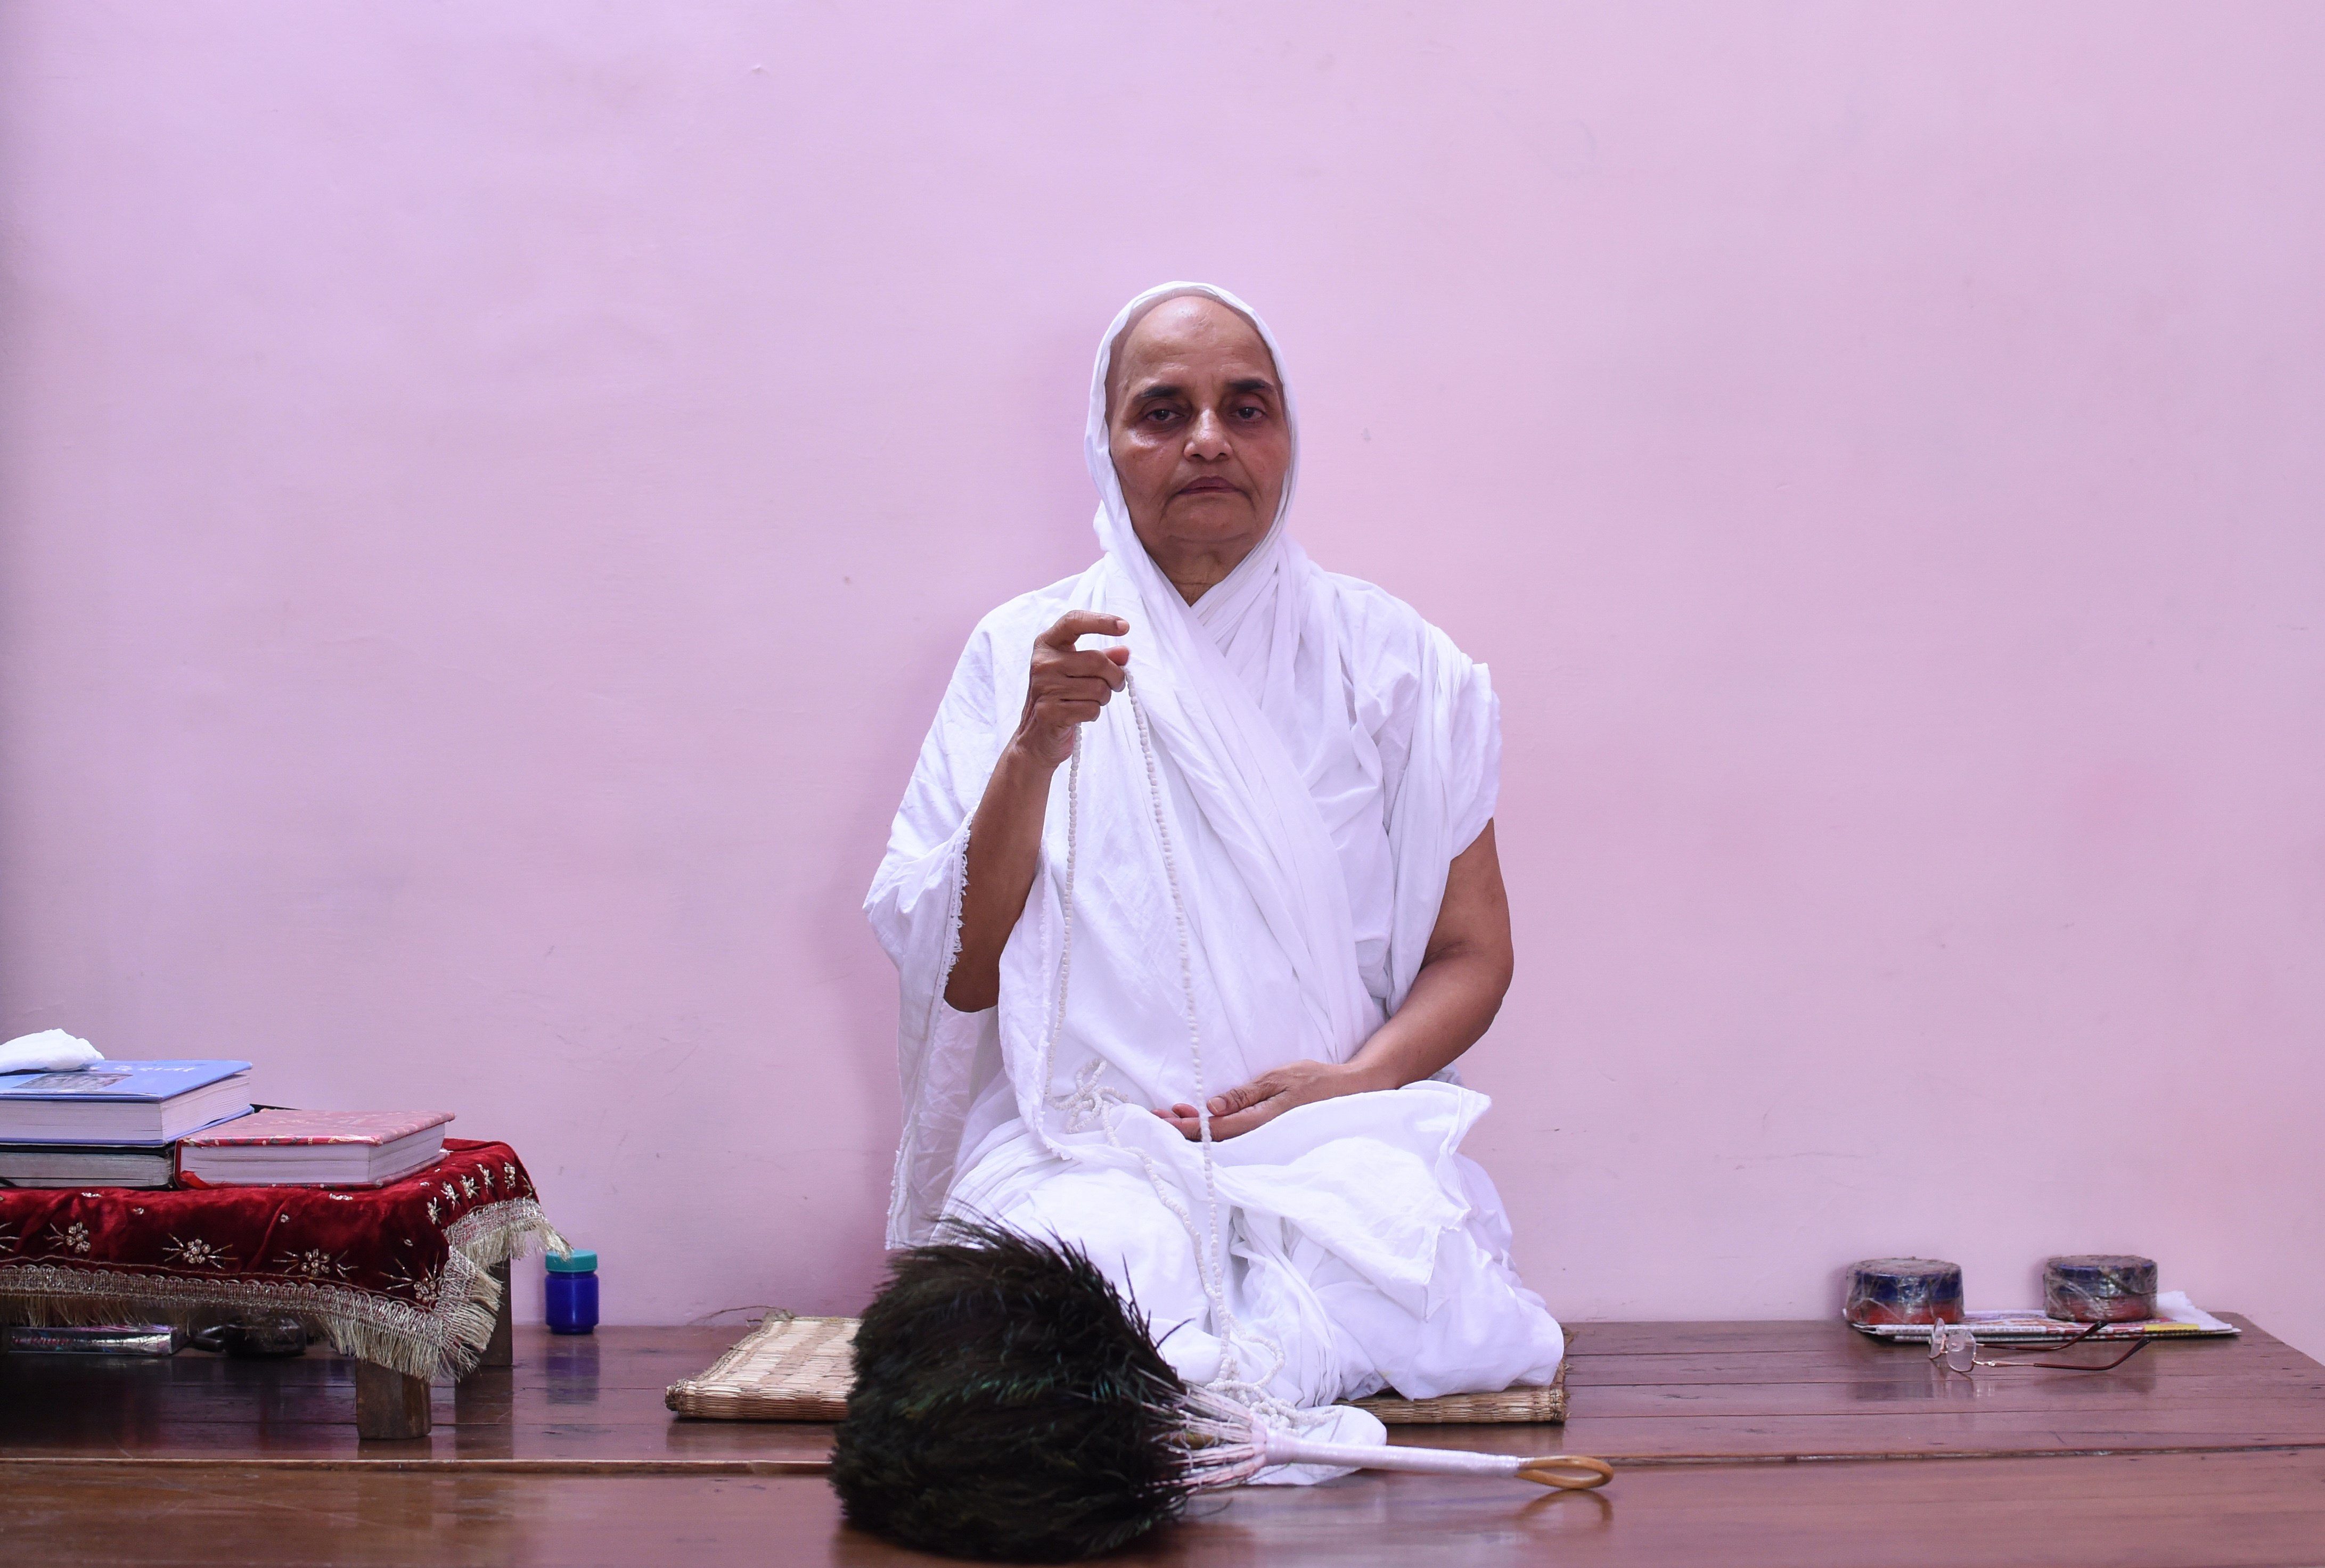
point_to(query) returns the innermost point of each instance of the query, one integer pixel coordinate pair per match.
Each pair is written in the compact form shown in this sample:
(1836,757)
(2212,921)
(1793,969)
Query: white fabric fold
(49,1051)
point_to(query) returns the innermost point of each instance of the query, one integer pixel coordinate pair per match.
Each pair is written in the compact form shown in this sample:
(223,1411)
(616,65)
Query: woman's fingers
(1092,683)
(1256,1114)
(1067,685)
(1078,624)
(1071,703)
(1264,1086)
(1074,689)
(1093,665)
(1182,1116)
(1229,1125)
(1243,1121)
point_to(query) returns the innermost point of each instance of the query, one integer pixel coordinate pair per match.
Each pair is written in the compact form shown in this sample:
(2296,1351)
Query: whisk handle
(1566,1471)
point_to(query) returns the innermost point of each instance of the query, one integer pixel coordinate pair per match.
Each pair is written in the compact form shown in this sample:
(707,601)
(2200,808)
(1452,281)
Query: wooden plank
(1586,1341)
(1821,1388)
(2247,1510)
(2043,1395)
(1822,1391)
(568,1453)
(2182,1359)
(602,1402)
(1642,1338)
(32,1471)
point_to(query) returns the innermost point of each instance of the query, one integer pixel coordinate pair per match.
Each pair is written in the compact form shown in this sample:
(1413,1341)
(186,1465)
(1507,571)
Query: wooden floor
(1777,1444)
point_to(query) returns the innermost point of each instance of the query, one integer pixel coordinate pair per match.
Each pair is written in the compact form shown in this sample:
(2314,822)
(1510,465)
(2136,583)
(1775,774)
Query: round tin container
(2099,1287)
(1903,1290)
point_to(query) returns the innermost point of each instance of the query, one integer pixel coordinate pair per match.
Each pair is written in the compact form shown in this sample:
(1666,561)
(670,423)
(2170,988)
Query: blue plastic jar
(572,1292)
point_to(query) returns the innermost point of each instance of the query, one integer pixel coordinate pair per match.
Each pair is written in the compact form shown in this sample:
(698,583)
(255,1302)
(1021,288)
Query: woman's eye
(1161,416)
(1251,412)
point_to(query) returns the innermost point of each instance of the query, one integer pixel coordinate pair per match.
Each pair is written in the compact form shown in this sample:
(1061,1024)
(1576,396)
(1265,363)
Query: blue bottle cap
(579,1262)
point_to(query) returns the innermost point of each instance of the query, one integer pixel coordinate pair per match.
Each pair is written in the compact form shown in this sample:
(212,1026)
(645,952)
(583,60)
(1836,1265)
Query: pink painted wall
(491,494)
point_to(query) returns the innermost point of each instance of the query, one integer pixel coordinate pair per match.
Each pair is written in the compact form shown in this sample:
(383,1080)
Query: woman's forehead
(1191,332)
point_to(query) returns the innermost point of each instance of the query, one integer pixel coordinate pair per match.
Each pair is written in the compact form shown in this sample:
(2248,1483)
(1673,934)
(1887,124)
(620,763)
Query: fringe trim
(956,905)
(442,1343)
(905,1227)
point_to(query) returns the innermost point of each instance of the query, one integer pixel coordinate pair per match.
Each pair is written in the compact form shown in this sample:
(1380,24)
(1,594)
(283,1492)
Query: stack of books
(160,1124)
(114,1124)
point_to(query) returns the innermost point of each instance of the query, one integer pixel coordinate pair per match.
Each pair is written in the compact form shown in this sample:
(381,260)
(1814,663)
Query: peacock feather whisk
(1009,1404)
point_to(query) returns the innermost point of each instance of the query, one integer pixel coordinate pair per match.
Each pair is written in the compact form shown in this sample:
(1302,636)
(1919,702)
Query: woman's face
(1198,431)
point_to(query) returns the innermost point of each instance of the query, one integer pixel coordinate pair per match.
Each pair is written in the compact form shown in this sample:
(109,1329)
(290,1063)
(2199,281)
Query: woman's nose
(1207,436)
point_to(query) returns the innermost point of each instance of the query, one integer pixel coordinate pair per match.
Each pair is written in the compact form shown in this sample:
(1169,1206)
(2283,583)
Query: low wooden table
(411,1278)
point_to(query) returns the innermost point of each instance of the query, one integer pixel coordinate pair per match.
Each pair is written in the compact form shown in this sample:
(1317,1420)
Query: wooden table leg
(500,1351)
(389,1405)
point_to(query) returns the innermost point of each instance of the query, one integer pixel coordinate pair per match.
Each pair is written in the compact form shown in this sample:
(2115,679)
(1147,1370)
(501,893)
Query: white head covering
(1256,718)
(1229,597)
(1258,648)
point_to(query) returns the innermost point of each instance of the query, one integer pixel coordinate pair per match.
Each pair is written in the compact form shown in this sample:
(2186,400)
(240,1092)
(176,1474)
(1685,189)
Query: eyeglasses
(1954,1347)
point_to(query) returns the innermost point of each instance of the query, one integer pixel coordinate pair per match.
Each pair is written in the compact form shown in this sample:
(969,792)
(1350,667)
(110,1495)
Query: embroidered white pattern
(72,1238)
(314,1263)
(197,1253)
(468,1185)
(432,1213)
(424,1289)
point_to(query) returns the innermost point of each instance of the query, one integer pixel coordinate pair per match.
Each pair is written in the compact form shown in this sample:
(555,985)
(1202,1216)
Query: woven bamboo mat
(787,1369)
(1527,1405)
(796,1369)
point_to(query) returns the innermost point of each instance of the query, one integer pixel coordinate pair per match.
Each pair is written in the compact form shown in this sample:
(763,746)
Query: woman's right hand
(1068,688)
(1068,685)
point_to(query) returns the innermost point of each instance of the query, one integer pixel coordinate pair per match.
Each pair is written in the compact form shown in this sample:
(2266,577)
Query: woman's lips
(1204,487)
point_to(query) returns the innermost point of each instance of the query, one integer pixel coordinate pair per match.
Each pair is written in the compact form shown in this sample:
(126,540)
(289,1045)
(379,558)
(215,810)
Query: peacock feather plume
(1009,1404)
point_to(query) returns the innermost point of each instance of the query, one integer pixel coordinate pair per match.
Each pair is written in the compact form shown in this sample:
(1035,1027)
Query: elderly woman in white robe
(1191,926)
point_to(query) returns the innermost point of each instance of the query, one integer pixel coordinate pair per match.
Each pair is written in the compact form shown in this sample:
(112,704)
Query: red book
(312,1148)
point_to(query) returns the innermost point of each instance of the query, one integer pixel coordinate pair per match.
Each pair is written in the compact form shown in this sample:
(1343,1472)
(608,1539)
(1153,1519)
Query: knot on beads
(1088,1104)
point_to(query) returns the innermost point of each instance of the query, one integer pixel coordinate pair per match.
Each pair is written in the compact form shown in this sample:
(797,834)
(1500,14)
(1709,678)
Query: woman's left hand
(1271,1094)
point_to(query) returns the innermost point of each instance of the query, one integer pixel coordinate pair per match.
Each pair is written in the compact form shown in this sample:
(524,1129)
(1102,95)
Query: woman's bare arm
(1068,688)
(1464,974)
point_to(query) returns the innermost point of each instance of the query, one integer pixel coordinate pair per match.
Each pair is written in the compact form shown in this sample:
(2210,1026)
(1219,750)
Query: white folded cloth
(50,1051)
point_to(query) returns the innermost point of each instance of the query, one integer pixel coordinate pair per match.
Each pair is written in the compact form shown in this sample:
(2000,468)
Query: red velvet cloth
(401,1261)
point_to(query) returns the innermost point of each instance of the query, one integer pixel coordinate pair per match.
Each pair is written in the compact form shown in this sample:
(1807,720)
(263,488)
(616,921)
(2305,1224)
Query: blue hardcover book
(139,1104)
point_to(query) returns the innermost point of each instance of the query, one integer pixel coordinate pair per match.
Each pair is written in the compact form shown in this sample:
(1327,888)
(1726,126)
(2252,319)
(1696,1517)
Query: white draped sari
(1321,753)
